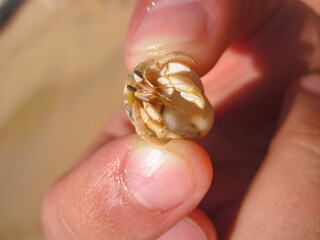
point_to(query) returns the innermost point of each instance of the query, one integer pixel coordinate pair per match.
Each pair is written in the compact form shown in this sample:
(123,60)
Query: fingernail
(167,24)
(311,84)
(186,229)
(157,178)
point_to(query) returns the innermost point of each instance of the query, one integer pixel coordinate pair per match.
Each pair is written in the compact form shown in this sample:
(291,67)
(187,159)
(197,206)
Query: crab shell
(187,114)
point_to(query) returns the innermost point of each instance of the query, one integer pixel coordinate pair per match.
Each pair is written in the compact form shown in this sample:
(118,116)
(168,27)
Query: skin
(264,146)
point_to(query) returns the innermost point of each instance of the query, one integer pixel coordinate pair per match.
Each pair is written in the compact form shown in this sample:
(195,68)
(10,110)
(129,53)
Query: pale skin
(264,145)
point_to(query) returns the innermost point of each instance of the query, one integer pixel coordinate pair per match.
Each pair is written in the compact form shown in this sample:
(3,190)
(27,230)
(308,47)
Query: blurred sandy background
(61,77)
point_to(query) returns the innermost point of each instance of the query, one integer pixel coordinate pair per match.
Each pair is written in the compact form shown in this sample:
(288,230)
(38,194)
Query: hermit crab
(164,99)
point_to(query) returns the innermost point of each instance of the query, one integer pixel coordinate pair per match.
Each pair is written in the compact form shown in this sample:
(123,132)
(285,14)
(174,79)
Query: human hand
(266,168)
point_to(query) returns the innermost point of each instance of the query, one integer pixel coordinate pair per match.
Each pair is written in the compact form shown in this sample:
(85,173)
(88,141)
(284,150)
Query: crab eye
(131,88)
(137,76)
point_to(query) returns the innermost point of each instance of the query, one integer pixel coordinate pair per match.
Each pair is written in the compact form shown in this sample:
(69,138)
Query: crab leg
(141,126)
(177,56)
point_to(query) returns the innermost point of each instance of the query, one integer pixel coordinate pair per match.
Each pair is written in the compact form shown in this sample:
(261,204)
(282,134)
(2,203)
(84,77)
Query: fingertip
(311,84)
(180,170)
(196,226)
(204,222)
(306,88)
(188,26)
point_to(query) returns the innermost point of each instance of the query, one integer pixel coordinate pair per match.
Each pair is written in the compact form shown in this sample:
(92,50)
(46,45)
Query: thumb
(127,190)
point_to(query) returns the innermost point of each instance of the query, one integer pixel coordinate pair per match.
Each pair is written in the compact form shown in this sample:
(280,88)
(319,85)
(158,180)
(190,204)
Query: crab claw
(178,76)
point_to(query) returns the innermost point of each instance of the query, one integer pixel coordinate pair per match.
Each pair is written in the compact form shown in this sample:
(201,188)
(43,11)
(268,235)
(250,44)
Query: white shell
(164,99)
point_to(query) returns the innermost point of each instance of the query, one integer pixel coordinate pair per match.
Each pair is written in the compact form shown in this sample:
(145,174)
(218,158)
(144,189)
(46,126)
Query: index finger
(203,29)
(276,39)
